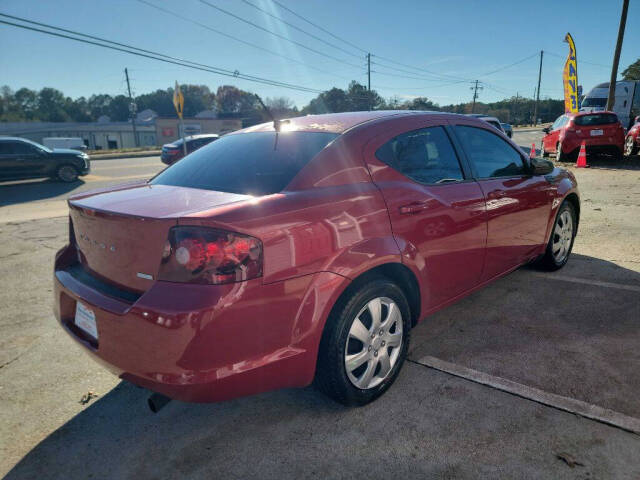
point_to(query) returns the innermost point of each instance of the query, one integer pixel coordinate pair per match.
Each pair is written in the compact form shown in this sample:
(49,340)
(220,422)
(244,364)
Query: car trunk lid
(120,234)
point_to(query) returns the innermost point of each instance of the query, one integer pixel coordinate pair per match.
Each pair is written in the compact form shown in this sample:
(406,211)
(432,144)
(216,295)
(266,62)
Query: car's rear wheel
(67,173)
(364,343)
(630,147)
(561,239)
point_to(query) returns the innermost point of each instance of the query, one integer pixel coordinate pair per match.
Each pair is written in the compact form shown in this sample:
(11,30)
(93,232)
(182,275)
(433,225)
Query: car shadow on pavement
(27,191)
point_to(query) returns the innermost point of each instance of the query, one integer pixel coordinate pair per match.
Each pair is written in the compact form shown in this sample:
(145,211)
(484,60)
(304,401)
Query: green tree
(421,103)
(632,72)
(51,103)
(232,100)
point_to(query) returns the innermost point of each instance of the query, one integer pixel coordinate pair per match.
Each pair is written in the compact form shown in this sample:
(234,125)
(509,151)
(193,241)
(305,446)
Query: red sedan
(601,132)
(632,140)
(267,259)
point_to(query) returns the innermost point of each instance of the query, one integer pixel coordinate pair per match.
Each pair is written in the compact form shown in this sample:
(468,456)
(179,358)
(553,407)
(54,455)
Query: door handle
(498,194)
(415,207)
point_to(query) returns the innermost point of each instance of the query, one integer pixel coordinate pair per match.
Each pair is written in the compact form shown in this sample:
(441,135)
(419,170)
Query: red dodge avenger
(304,251)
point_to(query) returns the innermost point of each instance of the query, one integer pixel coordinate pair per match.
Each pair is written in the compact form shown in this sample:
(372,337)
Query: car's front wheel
(561,239)
(364,343)
(67,173)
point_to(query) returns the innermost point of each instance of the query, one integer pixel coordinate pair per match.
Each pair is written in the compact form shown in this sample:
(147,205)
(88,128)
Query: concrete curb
(117,156)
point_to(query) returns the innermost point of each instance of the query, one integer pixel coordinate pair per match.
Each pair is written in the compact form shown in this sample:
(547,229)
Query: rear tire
(560,244)
(358,359)
(67,173)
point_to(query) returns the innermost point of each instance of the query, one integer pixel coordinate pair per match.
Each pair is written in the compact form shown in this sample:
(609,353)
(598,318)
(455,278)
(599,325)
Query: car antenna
(276,122)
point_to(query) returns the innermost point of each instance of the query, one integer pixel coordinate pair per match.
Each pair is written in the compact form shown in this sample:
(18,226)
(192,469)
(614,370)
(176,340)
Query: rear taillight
(208,255)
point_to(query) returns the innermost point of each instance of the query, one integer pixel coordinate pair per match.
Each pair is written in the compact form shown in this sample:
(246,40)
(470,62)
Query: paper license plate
(86,320)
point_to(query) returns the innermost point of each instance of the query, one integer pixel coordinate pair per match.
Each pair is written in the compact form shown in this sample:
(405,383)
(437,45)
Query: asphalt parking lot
(570,335)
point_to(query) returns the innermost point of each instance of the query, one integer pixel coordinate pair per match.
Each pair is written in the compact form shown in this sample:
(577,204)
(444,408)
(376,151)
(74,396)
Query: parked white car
(74,143)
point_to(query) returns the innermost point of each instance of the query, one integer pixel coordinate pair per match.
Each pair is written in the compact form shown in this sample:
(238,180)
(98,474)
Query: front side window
(491,155)
(256,163)
(425,156)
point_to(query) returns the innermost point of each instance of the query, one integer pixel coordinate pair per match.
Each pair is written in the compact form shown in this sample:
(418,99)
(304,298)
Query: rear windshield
(257,163)
(594,102)
(596,119)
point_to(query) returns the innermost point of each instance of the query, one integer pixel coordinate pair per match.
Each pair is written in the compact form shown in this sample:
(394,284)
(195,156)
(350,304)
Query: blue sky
(454,39)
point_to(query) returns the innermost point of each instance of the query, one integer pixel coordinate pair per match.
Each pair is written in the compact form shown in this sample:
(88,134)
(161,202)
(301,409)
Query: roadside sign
(178,100)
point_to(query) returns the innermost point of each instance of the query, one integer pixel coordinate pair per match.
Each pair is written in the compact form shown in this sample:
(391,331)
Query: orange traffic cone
(532,153)
(582,157)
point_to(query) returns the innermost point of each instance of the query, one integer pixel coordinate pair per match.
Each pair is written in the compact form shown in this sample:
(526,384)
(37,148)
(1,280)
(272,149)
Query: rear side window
(425,156)
(596,119)
(491,155)
(257,163)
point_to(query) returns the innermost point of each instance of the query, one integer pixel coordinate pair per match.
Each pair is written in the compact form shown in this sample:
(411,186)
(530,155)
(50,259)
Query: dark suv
(172,152)
(21,158)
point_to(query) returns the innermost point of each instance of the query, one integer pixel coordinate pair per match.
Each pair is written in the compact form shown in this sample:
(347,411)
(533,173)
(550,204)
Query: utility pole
(369,78)
(535,108)
(616,57)
(132,109)
(475,96)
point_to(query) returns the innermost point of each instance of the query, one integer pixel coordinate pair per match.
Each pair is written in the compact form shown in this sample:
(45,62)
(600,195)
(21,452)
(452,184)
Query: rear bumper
(169,159)
(197,343)
(569,144)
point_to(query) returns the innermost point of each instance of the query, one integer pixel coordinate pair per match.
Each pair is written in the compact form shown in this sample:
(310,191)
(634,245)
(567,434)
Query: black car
(21,158)
(172,152)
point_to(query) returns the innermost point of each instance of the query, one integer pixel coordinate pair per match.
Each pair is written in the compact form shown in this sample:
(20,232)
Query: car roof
(330,122)
(582,114)
(15,139)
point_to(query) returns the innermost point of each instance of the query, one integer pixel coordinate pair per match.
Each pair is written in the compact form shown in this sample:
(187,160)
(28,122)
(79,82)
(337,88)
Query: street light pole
(132,109)
(369,78)
(535,108)
(616,57)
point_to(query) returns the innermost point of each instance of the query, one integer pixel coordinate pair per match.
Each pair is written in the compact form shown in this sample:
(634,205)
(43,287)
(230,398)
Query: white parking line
(571,405)
(597,283)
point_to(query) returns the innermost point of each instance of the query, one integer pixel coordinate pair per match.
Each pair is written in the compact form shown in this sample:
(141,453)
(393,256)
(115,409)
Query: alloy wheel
(67,173)
(629,146)
(374,343)
(562,237)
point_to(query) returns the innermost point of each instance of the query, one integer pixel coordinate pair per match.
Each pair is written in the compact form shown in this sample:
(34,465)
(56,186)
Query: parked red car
(602,132)
(265,259)
(632,140)
(172,152)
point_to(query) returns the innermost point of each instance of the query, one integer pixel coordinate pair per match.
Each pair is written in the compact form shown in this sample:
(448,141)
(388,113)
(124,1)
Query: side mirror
(540,166)
(546,129)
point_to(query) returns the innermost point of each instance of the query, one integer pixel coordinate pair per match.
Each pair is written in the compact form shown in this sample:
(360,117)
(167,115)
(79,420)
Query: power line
(237,17)
(152,55)
(207,27)
(300,29)
(580,60)
(441,75)
(318,26)
(509,66)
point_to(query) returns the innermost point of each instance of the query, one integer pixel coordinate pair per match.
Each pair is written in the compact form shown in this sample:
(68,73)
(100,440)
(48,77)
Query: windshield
(37,145)
(257,163)
(594,102)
